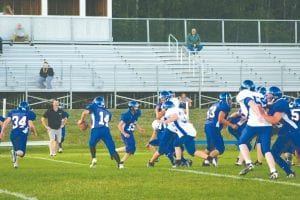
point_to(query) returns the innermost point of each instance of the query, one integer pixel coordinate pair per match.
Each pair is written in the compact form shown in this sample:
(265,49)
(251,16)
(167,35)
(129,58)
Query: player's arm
(222,120)
(32,127)
(258,110)
(172,118)
(43,119)
(273,119)
(4,125)
(83,116)
(121,126)
(159,113)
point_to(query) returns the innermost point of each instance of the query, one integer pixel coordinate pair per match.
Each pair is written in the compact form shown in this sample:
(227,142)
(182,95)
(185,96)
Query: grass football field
(68,176)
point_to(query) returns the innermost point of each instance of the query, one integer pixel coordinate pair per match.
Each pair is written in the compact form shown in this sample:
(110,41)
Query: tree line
(210,31)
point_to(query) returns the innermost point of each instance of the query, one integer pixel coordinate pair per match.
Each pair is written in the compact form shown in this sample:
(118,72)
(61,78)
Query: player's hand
(235,126)
(126,135)
(79,121)
(142,130)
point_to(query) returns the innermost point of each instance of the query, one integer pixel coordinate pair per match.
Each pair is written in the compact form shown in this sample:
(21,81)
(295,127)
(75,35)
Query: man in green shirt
(193,41)
(7,10)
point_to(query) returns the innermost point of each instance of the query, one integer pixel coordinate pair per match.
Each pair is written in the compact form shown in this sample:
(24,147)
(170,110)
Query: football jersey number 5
(295,114)
(17,122)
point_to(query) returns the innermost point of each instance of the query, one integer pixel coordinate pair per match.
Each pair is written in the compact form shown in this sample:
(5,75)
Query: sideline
(19,195)
(237,177)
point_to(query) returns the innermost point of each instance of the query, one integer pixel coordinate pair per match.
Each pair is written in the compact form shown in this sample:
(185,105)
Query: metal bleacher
(142,68)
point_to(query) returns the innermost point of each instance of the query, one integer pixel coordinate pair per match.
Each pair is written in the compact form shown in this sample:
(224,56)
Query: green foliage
(210,31)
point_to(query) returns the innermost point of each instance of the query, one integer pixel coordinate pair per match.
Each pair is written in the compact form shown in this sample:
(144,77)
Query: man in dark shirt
(56,121)
(46,75)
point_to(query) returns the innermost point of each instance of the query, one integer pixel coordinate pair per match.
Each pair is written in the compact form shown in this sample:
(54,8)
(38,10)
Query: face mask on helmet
(24,106)
(226,97)
(99,101)
(273,94)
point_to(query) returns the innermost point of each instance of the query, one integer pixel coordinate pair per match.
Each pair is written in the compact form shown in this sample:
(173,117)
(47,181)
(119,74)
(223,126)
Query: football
(83,125)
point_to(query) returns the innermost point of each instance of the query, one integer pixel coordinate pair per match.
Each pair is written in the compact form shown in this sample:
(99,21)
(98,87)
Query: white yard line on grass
(59,161)
(19,195)
(237,177)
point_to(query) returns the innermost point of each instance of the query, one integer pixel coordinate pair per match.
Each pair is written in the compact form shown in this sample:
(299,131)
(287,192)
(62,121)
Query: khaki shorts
(55,134)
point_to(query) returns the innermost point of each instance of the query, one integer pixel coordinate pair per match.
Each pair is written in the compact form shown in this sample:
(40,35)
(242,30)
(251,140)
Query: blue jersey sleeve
(281,106)
(125,117)
(31,116)
(2,119)
(67,115)
(90,107)
(224,107)
(247,100)
(10,114)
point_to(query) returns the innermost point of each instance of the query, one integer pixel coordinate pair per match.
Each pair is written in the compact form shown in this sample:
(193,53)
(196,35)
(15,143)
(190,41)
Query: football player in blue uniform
(1,122)
(240,120)
(289,133)
(100,118)
(63,133)
(126,126)
(295,110)
(251,106)
(158,129)
(22,120)
(215,121)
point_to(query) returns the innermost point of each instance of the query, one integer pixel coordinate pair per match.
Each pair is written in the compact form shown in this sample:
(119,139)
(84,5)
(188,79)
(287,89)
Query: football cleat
(13,156)
(258,163)
(291,175)
(214,162)
(121,165)
(178,163)
(249,167)
(205,163)
(273,175)
(60,150)
(188,163)
(150,164)
(94,163)
(16,165)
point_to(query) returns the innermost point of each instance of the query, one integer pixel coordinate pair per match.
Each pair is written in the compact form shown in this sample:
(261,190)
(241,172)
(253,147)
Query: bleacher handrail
(171,36)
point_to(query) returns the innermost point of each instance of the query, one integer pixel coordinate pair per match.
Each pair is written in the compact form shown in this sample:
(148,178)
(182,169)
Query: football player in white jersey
(177,123)
(251,106)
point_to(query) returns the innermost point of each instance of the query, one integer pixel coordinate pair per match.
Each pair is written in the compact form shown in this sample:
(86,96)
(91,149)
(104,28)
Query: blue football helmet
(99,101)
(24,106)
(168,104)
(133,105)
(262,90)
(225,96)
(275,92)
(296,103)
(164,95)
(248,85)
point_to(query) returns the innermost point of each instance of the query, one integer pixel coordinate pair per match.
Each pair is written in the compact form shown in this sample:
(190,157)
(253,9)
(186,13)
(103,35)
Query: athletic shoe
(121,165)
(249,167)
(274,175)
(178,163)
(150,164)
(13,156)
(291,175)
(214,162)
(188,163)
(60,150)
(16,165)
(94,163)
(258,163)
(205,163)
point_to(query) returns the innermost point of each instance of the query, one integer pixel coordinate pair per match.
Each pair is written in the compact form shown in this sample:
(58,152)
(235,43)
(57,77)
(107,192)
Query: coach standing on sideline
(56,120)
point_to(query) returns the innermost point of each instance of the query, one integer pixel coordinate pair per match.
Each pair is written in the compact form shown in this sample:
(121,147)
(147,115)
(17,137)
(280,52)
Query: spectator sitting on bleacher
(20,35)
(193,41)
(183,99)
(46,75)
(7,10)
